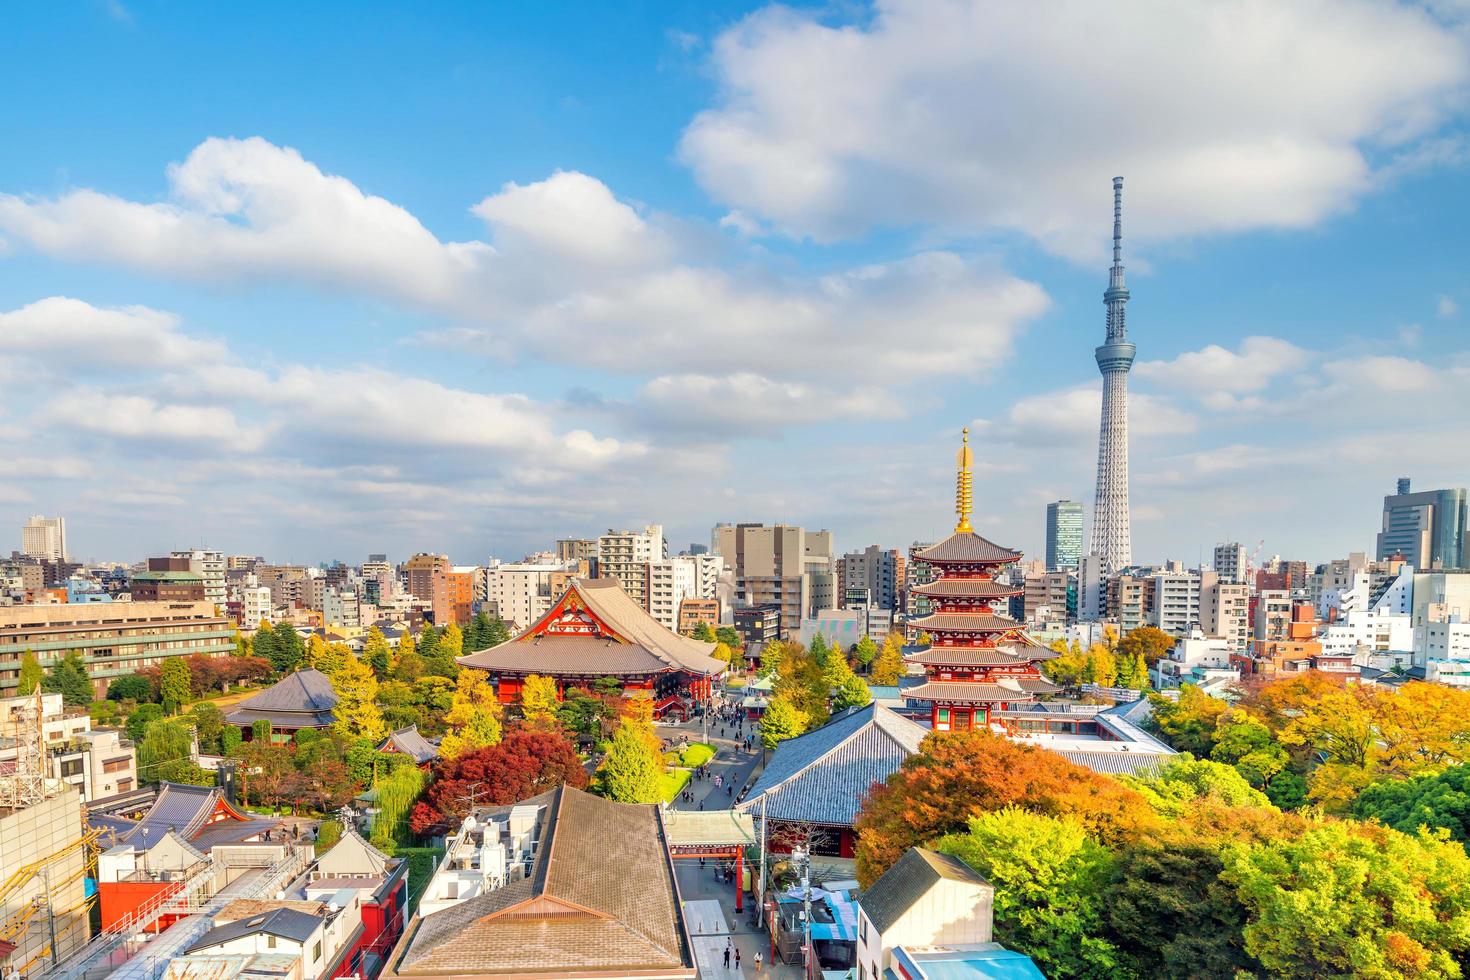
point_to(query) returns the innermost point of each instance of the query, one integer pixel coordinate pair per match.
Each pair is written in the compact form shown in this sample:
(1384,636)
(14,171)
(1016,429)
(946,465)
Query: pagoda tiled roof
(1037,685)
(963,546)
(959,588)
(823,776)
(961,692)
(642,645)
(984,622)
(964,656)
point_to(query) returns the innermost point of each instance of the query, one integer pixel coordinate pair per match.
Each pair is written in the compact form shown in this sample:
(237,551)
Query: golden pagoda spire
(964,493)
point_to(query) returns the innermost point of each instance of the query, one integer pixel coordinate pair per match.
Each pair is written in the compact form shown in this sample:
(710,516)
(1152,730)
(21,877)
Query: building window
(124,785)
(316,952)
(270,942)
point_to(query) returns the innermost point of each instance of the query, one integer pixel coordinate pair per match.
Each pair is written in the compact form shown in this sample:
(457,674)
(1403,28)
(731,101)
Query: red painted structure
(596,631)
(979,660)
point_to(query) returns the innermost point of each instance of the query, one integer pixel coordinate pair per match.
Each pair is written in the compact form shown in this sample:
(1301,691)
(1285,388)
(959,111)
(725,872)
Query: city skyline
(484,296)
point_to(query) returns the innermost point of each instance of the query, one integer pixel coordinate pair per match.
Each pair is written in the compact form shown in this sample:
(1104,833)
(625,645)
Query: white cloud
(1071,417)
(1392,375)
(61,330)
(573,273)
(751,403)
(1446,307)
(1219,377)
(139,417)
(978,114)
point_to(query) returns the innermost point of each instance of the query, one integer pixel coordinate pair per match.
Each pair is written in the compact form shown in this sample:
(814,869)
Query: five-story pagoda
(980,660)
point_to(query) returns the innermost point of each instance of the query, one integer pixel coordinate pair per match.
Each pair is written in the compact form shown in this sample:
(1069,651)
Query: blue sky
(313,282)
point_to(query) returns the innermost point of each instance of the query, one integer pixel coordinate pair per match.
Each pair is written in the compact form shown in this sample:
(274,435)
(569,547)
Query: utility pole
(50,914)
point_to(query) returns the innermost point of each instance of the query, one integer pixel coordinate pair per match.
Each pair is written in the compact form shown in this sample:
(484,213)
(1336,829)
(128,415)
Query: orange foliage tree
(957,775)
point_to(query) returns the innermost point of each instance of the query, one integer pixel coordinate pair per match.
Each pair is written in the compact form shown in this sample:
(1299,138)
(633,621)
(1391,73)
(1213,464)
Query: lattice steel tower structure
(1112,539)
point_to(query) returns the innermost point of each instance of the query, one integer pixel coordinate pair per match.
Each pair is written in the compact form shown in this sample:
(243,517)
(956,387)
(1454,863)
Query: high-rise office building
(44,538)
(783,565)
(1431,529)
(1063,535)
(878,570)
(1112,539)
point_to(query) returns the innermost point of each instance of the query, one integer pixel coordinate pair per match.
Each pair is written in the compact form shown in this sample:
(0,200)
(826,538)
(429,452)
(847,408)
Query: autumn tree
(539,702)
(474,716)
(633,770)
(175,684)
(358,715)
(958,775)
(31,674)
(1148,642)
(1243,741)
(377,654)
(890,665)
(409,666)
(323,656)
(865,652)
(729,636)
(1047,874)
(520,766)
(722,653)
(1101,666)
(1384,904)
(703,632)
(781,720)
(1068,666)
(1182,781)
(1188,724)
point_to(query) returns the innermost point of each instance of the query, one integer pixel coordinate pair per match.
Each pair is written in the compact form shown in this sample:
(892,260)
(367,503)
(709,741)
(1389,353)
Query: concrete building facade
(1430,529)
(1063,535)
(776,566)
(44,538)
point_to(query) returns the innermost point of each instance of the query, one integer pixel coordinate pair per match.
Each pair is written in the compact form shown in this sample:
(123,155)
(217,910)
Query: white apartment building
(210,566)
(670,582)
(1176,600)
(1369,630)
(625,556)
(44,538)
(521,591)
(95,764)
(341,607)
(1199,660)
(1232,563)
(255,606)
(1444,652)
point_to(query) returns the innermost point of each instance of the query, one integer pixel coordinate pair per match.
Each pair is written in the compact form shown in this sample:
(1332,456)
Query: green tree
(852,693)
(263,644)
(287,651)
(1175,785)
(703,632)
(32,675)
(1243,741)
(229,740)
(819,650)
(865,652)
(377,654)
(1048,877)
(137,723)
(890,665)
(633,770)
(782,720)
(729,636)
(1359,900)
(428,643)
(68,677)
(410,665)
(497,634)
(209,725)
(398,790)
(1188,724)
(129,687)
(175,684)
(166,754)
(1433,800)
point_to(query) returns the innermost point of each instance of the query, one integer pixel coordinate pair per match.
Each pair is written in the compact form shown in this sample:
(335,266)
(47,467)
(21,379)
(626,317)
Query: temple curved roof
(969,656)
(619,638)
(964,588)
(303,699)
(967,546)
(977,622)
(968,692)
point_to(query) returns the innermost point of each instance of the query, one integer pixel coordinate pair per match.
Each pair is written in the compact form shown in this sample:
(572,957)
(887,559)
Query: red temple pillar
(739,879)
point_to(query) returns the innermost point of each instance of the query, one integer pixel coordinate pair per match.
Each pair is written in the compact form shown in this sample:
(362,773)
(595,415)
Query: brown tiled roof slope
(967,546)
(600,897)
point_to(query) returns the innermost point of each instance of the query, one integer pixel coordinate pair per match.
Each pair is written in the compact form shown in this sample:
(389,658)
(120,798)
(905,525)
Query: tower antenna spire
(964,484)
(1112,539)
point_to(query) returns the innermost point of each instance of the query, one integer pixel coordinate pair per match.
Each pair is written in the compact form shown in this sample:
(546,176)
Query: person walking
(727,954)
(758,959)
(737,959)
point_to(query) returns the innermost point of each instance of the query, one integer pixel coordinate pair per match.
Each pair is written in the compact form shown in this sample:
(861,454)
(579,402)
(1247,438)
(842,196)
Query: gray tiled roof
(824,776)
(962,656)
(909,880)
(965,621)
(286,923)
(303,699)
(967,546)
(600,898)
(1112,763)
(412,744)
(185,810)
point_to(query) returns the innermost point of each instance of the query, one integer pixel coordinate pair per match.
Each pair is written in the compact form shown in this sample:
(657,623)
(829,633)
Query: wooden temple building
(597,630)
(301,699)
(980,660)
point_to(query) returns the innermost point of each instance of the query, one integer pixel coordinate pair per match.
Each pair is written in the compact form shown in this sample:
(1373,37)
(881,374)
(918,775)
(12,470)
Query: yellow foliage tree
(1101,667)
(539,702)
(357,700)
(326,657)
(722,653)
(474,716)
(890,665)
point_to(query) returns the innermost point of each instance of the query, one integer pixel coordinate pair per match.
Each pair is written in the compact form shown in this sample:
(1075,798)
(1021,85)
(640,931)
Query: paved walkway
(732,763)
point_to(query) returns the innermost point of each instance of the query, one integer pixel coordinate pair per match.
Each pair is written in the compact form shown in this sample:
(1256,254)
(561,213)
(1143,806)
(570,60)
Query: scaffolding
(27,785)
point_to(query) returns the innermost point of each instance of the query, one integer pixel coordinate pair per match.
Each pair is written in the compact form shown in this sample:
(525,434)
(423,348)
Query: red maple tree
(523,764)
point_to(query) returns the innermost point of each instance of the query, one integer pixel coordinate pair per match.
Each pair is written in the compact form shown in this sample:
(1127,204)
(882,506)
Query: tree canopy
(68,677)
(521,765)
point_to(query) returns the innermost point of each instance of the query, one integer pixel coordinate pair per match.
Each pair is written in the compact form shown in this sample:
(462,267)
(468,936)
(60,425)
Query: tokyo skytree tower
(1112,540)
